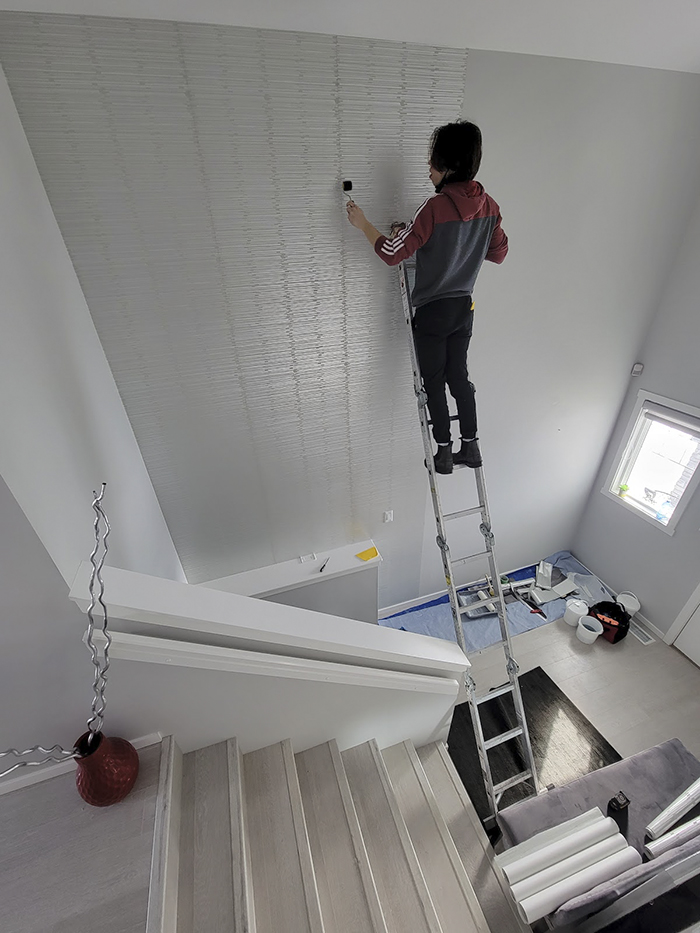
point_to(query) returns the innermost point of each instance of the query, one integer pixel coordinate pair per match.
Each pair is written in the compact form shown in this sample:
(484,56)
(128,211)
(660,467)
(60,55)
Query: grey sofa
(651,779)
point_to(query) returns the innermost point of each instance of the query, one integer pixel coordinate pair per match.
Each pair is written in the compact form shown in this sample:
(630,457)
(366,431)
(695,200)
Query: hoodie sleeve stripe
(409,240)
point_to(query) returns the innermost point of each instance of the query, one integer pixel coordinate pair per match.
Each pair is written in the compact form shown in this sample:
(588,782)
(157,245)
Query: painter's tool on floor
(492,595)
(531,606)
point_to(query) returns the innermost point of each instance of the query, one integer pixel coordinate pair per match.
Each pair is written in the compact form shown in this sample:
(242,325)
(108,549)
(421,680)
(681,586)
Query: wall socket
(389,515)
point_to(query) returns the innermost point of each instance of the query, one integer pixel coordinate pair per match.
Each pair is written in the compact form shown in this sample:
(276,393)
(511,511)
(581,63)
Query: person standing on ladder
(452,233)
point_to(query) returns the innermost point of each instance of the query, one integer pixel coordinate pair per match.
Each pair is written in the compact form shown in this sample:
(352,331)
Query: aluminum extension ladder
(520,732)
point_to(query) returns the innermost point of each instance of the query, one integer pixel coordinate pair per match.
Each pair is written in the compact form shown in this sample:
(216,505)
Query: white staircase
(366,841)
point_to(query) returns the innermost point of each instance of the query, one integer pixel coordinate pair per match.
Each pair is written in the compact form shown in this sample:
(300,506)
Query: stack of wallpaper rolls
(560,863)
(663,841)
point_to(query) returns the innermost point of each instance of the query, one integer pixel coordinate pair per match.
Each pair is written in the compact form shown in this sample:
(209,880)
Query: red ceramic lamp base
(107,769)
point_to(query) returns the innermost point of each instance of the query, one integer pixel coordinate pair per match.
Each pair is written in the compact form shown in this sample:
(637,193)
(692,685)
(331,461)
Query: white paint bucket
(589,628)
(629,602)
(575,608)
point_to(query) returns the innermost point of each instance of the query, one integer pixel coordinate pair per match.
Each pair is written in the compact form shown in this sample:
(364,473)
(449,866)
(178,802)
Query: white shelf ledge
(290,574)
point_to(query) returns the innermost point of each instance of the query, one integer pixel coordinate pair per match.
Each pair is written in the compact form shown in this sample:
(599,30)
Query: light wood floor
(636,695)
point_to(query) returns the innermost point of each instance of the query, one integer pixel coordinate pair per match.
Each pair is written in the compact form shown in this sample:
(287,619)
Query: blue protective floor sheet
(435,617)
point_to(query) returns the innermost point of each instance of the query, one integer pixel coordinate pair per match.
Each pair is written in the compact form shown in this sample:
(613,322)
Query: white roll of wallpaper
(676,837)
(544,902)
(568,866)
(674,811)
(561,849)
(548,836)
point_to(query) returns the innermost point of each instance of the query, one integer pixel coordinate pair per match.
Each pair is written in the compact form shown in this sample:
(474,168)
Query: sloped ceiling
(645,33)
(257,344)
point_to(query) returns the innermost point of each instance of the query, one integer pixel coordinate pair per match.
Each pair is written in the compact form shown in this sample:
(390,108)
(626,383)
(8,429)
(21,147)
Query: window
(655,475)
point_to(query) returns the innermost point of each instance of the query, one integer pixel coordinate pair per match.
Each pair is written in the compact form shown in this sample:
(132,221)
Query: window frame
(645,399)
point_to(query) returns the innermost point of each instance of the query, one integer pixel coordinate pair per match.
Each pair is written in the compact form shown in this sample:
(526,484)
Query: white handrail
(142,604)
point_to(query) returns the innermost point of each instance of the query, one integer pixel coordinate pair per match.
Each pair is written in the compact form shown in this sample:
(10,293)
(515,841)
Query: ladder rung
(498,692)
(503,737)
(482,601)
(452,418)
(463,560)
(512,782)
(462,513)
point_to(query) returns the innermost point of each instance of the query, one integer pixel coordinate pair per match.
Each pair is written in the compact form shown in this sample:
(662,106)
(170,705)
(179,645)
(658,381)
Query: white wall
(45,670)
(204,695)
(63,428)
(595,168)
(626,550)
(199,694)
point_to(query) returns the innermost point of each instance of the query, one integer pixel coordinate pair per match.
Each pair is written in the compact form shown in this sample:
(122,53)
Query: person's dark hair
(456,149)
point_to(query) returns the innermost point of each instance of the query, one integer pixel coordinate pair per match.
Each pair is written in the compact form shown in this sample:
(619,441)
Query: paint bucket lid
(629,602)
(575,608)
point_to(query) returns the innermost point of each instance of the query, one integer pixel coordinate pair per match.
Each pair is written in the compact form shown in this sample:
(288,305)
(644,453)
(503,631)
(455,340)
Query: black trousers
(441,331)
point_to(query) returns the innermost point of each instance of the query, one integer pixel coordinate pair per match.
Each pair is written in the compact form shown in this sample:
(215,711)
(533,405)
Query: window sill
(667,529)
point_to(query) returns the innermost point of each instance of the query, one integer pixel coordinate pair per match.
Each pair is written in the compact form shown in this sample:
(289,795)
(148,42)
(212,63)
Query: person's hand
(355,215)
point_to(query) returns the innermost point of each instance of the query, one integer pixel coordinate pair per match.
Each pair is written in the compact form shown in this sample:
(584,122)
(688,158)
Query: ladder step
(498,692)
(463,560)
(452,418)
(503,737)
(512,782)
(462,513)
(482,601)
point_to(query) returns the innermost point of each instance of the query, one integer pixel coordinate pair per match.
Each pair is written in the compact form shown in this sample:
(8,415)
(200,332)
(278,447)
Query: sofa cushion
(609,891)
(651,779)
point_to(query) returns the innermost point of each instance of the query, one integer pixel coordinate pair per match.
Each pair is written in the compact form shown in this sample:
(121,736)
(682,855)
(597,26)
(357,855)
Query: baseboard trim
(409,604)
(412,603)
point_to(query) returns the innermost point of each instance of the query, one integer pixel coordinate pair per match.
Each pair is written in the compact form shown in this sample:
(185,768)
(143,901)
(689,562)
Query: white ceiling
(646,33)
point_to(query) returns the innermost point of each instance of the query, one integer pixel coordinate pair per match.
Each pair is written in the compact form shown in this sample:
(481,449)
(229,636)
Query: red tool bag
(614,618)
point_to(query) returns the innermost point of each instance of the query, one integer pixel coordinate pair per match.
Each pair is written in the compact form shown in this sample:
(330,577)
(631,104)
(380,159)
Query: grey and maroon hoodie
(452,233)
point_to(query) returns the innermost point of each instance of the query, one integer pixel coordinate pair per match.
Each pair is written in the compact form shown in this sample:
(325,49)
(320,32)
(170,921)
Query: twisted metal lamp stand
(92,741)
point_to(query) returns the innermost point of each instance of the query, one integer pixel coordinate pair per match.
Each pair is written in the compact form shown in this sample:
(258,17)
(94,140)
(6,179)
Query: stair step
(211,843)
(346,889)
(402,890)
(503,738)
(471,841)
(455,902)
(165,861)
(284,886)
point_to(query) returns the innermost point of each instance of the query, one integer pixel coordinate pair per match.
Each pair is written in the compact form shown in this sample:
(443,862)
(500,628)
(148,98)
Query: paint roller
(347,188)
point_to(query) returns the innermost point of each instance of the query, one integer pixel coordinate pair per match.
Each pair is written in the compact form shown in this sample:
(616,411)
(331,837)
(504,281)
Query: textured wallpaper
(256,341)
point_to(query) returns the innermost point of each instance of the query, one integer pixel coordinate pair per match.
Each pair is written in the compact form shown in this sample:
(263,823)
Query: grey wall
(630,553)
(595,168)
(353,596)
